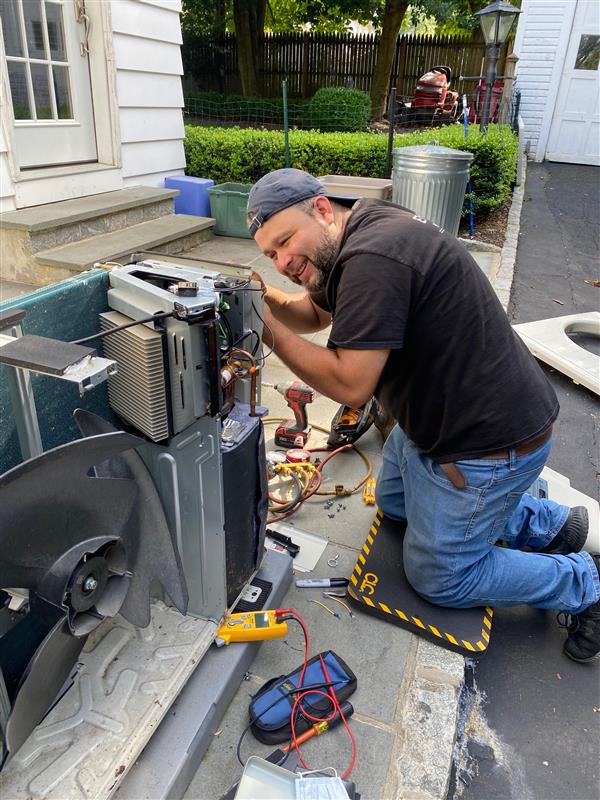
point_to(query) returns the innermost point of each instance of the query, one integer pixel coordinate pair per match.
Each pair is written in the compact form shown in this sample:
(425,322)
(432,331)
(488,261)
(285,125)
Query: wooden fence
(311,61)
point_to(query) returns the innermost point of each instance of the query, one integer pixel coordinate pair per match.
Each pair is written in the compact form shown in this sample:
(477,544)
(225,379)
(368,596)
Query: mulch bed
(490,229)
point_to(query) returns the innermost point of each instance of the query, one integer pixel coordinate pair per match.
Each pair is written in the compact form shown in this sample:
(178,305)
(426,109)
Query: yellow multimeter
(250,626)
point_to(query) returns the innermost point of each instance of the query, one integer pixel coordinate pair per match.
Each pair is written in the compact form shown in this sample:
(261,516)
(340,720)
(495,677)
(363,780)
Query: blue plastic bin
(193,197)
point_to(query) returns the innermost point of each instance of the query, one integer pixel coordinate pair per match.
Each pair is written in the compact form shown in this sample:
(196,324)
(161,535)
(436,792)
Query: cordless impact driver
(294,433)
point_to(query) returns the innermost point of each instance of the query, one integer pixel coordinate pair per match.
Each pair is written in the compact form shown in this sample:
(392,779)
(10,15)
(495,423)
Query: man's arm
(295,310)
(346,376)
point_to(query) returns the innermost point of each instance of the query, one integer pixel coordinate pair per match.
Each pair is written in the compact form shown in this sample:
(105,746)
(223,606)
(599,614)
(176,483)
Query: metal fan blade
(50,504)
(43,679)
(154,551)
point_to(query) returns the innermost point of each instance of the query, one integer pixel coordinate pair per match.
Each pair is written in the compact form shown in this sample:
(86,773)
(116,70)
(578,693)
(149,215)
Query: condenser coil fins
(137,392)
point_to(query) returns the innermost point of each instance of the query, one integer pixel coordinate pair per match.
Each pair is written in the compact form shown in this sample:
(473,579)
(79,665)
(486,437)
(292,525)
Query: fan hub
(88,583)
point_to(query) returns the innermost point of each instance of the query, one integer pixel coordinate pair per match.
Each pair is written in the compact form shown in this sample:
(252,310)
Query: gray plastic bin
(431,181)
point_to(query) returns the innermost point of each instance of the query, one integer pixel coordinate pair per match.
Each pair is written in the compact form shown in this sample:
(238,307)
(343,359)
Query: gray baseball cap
(281,189)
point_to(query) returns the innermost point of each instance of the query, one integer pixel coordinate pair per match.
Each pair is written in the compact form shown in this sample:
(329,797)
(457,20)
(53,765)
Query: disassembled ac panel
(548,340)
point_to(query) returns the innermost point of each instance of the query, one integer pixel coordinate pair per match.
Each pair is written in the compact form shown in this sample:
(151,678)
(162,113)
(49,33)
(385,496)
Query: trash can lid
(433,151)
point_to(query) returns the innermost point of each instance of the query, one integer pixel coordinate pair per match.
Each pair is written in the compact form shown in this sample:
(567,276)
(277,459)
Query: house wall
(7,188)
(146,45)
(541,44)
(143,42)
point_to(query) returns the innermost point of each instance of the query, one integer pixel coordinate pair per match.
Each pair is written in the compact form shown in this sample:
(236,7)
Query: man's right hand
(294,309)
(257,277)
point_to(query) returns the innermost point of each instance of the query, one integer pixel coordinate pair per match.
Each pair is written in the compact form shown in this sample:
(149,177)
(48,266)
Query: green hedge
(245,155)
(340,110)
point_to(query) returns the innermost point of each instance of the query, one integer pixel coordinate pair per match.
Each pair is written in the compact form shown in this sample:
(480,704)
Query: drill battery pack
(271,706)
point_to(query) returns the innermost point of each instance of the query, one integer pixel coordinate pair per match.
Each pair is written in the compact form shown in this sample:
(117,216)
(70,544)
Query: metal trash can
(431,181)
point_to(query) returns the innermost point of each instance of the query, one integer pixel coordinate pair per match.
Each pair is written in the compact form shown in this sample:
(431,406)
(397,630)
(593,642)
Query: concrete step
(33,230)
(174,233)
(67,212)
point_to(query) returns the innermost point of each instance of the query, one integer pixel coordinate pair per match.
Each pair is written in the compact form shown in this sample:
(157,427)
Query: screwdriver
(315,730)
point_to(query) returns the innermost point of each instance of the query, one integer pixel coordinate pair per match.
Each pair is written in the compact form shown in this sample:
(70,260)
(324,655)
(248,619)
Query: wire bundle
(308,477)
(325,689)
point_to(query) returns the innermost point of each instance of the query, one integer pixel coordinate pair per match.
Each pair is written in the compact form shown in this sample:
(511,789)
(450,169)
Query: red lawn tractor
(434,102)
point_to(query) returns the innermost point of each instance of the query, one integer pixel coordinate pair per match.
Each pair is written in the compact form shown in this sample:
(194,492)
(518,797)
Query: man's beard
(324,259)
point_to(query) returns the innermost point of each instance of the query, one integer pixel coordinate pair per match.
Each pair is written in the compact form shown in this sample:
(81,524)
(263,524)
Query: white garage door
(575,131)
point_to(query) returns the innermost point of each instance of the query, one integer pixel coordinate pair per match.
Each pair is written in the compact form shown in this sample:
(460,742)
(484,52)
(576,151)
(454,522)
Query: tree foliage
(318,15)
(250,18)
(205,17)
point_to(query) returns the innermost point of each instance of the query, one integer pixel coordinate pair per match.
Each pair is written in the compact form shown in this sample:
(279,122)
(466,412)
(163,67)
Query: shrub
(245,155)
(340,110)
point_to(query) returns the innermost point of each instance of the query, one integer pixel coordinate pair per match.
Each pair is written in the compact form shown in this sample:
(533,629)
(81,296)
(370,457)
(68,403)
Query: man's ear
(323,208)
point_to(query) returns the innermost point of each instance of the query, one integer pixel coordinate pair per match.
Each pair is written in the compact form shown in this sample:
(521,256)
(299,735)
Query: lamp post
(496,20)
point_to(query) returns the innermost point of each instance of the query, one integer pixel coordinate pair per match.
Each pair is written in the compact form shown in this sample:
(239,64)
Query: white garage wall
(541,44)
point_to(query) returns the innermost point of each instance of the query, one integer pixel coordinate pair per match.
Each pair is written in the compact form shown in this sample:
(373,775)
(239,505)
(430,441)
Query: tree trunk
(249,19)
(220,26)
(392,20)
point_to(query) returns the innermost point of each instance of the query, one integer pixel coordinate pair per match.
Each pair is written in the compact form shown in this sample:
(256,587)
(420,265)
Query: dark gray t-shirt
(458,380)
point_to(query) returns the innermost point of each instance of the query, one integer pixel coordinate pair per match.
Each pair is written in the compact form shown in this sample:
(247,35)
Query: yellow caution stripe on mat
(357,577)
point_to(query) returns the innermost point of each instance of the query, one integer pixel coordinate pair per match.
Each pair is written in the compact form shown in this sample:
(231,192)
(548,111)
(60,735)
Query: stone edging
(504,277)
(426,722)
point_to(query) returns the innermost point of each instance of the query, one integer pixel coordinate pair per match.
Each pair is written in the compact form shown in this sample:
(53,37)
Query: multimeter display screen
(261,620)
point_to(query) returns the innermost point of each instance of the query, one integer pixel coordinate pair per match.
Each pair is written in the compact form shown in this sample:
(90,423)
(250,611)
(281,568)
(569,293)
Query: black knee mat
(378,586)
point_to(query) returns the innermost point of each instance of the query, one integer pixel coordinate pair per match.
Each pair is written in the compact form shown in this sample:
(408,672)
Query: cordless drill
(294,433)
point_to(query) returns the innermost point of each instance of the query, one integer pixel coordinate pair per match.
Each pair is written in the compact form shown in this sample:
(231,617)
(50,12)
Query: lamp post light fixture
(496,20)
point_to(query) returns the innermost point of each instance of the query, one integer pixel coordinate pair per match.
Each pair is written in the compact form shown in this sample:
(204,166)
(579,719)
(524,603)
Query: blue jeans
(449,553)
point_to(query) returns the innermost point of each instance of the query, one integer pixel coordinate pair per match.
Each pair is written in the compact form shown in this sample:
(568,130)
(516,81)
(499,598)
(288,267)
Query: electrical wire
(272,348)
(227,325)
(293,617)
(337,599)
(284,695)
(160,315)
(319,603)
(245,336)
(331,695)
(302,692)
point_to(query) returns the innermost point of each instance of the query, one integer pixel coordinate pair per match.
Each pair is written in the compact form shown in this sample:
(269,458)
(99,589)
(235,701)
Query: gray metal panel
(165,768)
(188,372)
(431,181)
(189,478)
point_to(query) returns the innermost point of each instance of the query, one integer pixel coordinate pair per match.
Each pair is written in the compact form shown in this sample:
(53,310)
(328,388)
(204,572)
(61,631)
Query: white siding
(7,188)
(146,39)
(146,42)
(150,124)
(146,20)
(149,90)
(146,158)
(541,42)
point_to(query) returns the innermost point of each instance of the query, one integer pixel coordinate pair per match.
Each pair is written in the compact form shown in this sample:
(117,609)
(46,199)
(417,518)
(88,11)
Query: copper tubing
(253,369)
(253,391)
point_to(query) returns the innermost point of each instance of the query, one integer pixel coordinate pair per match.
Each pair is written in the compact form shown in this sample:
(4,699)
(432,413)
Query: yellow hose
(360,452)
